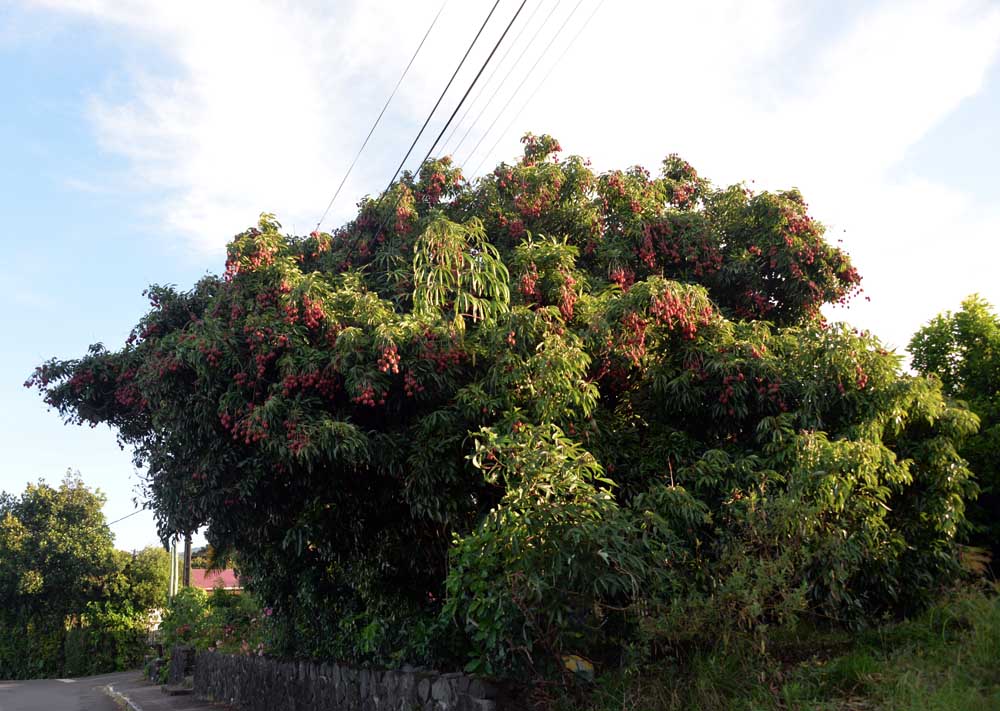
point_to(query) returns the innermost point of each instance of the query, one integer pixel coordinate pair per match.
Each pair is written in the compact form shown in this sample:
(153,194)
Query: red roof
(209,579)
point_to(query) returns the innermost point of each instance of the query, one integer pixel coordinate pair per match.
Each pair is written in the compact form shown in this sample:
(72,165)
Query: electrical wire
(461,101)
(474,80)
(541,83)
(438,102)
(381,113)
(493,73)
(507,76)
(137,511)
(524,80)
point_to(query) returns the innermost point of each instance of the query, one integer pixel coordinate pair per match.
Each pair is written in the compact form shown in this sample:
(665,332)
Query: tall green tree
(111,632)
(69,602)
(139,580)
(546,411)
(962,348)
(56,552)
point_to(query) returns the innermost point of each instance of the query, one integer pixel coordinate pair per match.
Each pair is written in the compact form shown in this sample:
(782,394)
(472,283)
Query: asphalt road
(83,694)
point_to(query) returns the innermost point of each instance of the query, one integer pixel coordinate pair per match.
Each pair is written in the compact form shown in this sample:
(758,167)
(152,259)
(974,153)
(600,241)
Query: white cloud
(858,102)
(265,104)
(238,130)
(923,247)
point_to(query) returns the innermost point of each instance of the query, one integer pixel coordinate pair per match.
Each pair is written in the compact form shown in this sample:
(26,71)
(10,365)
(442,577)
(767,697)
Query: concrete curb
(121,698)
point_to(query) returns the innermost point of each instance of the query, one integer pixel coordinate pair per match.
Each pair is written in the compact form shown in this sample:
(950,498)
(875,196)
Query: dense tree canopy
(59,570)
(963,350)
(140,580)
(55,548)
(542,412)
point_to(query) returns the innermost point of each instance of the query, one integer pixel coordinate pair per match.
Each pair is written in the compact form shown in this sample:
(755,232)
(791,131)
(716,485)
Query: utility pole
(187,560)
(172,585)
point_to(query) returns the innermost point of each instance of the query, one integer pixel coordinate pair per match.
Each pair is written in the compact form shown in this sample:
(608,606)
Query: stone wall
(263,684)
(181,664)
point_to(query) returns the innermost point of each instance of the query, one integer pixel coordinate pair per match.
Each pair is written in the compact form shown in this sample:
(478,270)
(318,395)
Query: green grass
(948,659)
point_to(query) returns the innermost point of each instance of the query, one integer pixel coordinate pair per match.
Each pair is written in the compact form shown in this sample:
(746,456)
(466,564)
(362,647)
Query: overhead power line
(381,113)
(438,102)
(496,67)
(507,76)
(562,55)
(524,79)
(474,80)
(461,101)
(137,511)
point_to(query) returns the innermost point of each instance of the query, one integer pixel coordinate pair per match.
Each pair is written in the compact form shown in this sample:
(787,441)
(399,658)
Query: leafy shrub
(185,620)
(543,570)
(107,640)
(222,620)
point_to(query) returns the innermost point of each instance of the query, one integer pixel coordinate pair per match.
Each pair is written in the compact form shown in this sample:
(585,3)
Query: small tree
(963,350)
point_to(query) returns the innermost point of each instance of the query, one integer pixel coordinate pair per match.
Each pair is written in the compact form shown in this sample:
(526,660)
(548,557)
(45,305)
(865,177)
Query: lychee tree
(547,411)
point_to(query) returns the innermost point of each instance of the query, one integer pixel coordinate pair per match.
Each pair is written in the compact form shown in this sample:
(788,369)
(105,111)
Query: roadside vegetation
(945,659)
(70,604)
(221,620)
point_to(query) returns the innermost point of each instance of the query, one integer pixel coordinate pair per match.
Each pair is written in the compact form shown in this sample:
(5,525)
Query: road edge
(120,698)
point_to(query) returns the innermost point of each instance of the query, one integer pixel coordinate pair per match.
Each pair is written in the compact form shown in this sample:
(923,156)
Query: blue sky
(138,136)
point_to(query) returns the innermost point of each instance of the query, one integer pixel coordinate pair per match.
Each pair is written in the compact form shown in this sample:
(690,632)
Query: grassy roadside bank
(947,659)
